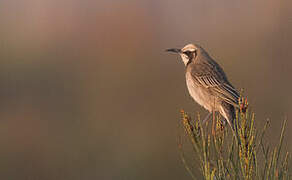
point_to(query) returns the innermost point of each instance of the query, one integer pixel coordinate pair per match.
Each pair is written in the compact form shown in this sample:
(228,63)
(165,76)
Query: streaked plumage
(207,82)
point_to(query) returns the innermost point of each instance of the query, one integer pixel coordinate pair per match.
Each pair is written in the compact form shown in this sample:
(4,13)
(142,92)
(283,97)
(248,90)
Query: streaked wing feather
(222,88)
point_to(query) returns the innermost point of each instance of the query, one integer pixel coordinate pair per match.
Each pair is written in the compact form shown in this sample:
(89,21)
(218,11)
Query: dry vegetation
(220,155)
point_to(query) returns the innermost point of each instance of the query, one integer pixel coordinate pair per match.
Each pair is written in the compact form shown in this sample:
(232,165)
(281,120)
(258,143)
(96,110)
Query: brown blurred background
(87,91)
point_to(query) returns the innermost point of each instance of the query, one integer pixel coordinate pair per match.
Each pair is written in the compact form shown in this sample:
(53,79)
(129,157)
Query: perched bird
(207,82)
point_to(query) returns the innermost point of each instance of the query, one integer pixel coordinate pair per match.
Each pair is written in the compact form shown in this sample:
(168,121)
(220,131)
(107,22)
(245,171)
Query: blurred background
(88,92)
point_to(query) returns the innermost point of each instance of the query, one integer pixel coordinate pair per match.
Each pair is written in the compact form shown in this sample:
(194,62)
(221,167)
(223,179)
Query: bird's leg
(213,124)
(206,118)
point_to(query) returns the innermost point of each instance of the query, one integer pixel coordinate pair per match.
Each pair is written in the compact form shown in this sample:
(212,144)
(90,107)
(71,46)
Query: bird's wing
(216,81)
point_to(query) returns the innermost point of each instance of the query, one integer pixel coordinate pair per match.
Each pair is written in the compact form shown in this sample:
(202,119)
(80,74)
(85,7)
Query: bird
(207,83)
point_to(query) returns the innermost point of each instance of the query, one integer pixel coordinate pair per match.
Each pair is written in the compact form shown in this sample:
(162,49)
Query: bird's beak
(174,50)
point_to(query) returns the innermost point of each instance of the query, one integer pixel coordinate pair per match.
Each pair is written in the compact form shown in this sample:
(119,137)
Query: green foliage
(241,155)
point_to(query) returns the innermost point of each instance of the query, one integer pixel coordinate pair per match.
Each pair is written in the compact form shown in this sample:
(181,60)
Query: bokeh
(88,91)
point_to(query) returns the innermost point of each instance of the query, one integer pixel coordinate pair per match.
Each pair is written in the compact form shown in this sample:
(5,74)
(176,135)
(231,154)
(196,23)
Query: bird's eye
(188,53)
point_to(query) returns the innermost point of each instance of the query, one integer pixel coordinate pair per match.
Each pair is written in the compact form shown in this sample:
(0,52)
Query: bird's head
(187,53)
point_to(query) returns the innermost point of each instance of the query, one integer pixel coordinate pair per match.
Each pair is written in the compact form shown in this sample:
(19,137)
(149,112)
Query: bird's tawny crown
(189,47)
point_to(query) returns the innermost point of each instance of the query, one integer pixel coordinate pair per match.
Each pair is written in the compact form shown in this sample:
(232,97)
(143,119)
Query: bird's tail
(228,112)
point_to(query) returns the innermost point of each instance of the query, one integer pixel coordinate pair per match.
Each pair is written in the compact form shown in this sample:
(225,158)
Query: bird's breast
(200,94)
